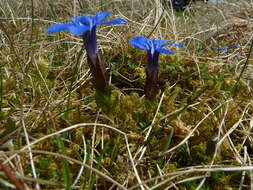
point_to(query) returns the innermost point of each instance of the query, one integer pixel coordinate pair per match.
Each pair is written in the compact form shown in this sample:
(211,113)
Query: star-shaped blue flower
(153,45)
(154,48)
(86,26)
(225,48)
(83,23)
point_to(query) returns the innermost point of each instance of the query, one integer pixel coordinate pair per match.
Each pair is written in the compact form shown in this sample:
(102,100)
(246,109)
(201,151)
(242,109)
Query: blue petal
(74,29)
(58,28)
(140,42)
(158,43)
(99,17)
(165,51)
(115,21)
(225,48)
(75,21)
(85,20)
(178,45)
(222,48)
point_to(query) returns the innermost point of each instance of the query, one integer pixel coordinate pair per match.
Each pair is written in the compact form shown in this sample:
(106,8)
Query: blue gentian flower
(86,26)
(154,48)
(225,48)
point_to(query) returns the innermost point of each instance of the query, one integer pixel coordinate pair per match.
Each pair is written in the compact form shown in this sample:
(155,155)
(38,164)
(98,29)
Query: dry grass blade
(195,128)
(72,160)
(196,135)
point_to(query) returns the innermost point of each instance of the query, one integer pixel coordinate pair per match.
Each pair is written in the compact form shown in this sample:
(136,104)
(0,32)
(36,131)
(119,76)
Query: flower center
(152,48)
(80,23)
(90,22)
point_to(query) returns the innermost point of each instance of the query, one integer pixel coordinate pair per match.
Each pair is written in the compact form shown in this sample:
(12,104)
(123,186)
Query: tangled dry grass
(198,135)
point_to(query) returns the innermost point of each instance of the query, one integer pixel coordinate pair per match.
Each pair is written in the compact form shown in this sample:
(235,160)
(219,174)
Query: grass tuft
(197,134)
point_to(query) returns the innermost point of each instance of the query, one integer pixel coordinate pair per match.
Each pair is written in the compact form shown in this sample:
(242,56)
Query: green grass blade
(98,166)
(167,144)
(65,165)
(243,69)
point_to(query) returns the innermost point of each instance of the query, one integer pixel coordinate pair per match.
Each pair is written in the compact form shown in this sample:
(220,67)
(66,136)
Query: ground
(196,134)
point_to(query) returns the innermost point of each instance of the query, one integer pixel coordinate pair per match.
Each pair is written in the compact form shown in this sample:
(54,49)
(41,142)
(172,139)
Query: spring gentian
(225,48)
(86,26)
(154,48)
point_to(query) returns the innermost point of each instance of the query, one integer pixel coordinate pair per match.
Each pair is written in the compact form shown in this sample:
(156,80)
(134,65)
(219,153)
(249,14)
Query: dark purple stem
(151,86)
(95,60)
